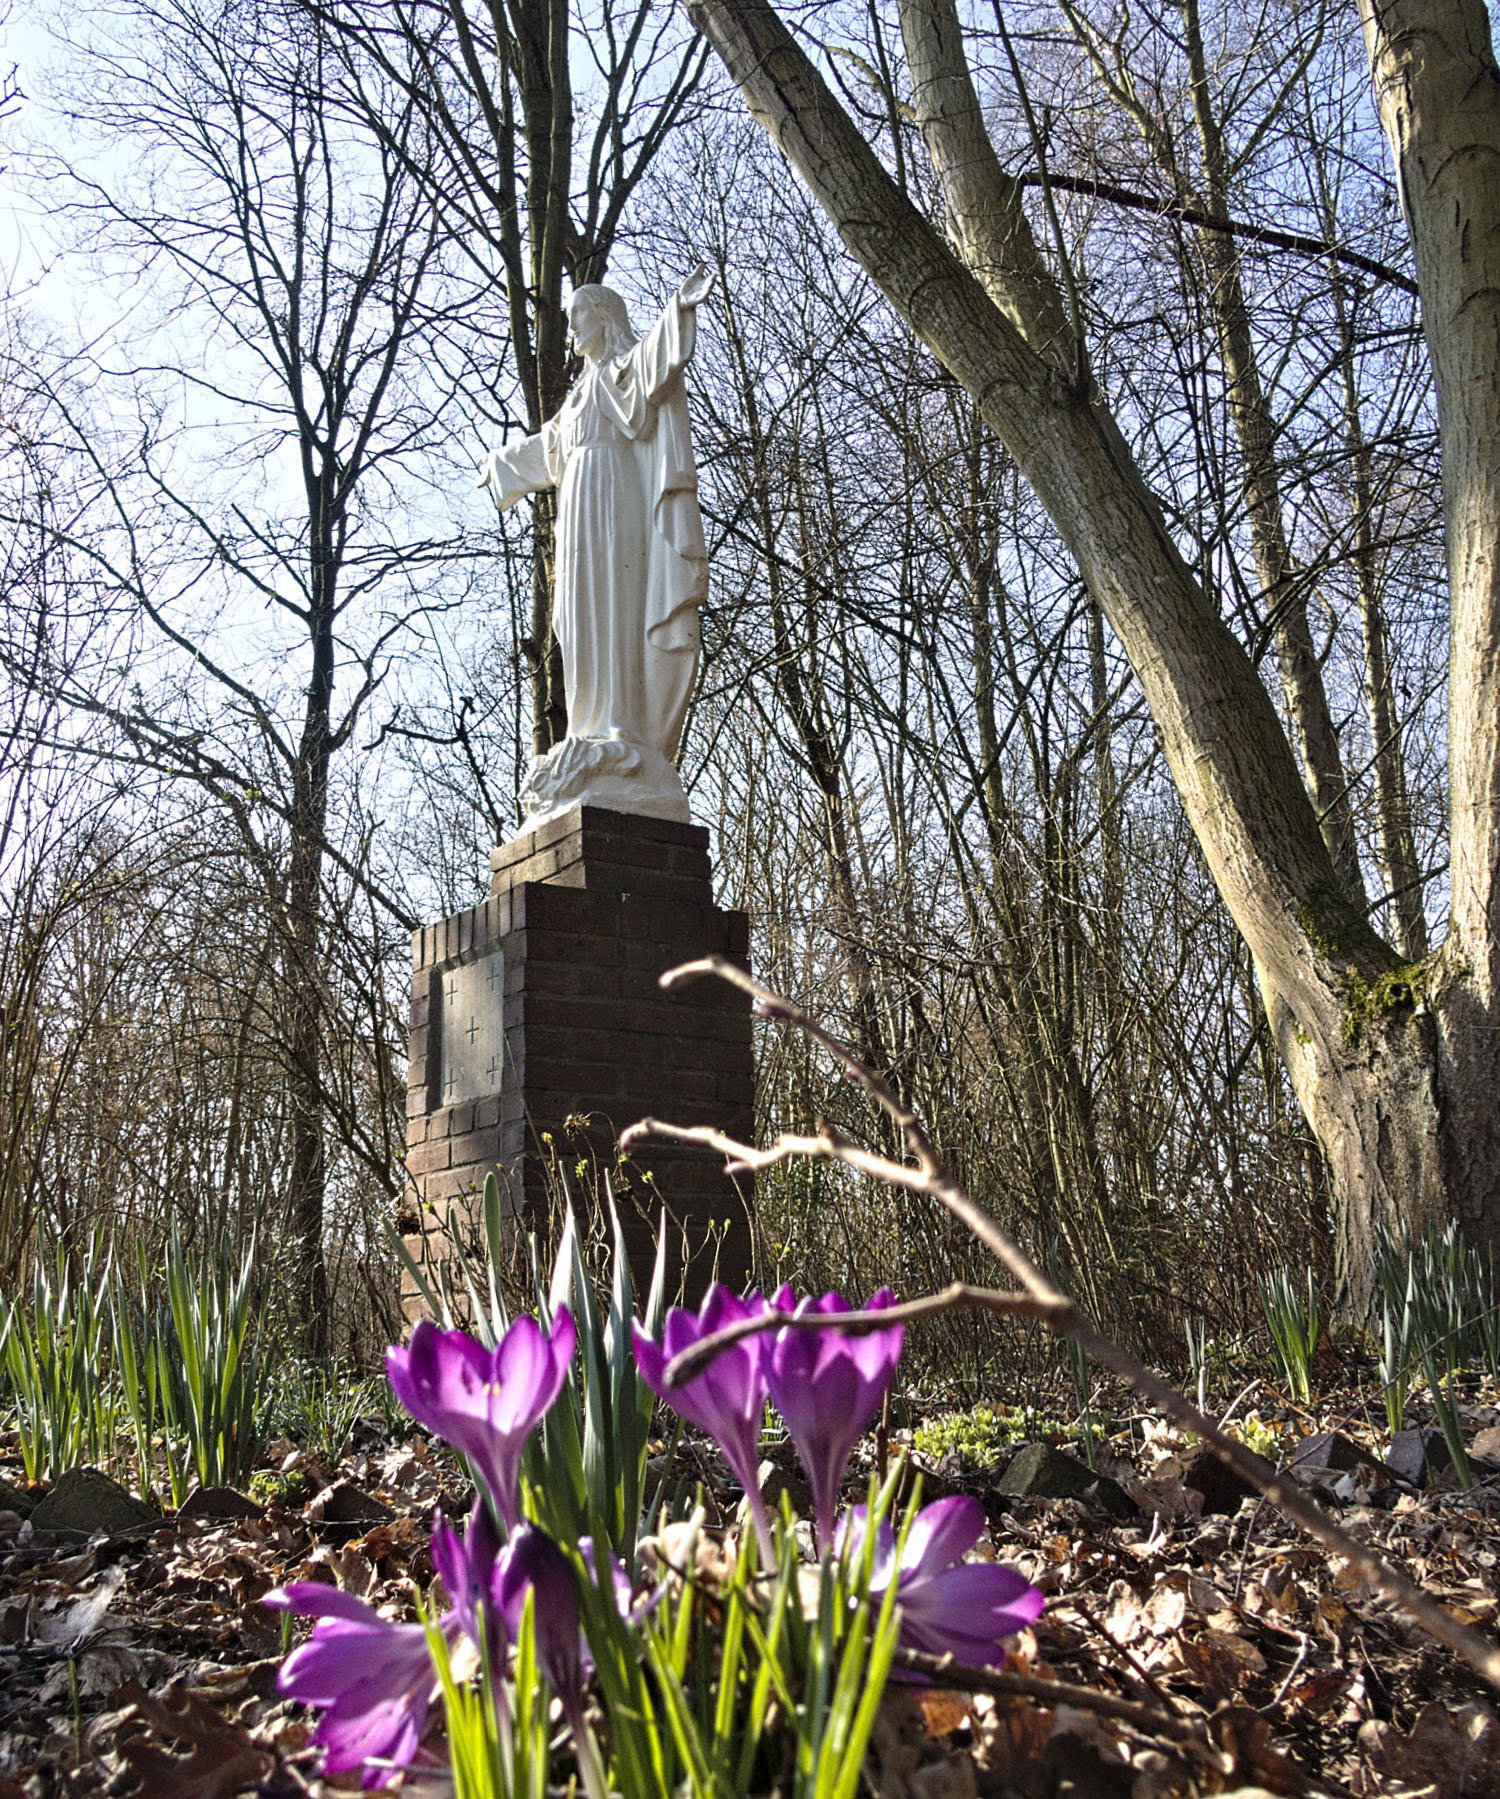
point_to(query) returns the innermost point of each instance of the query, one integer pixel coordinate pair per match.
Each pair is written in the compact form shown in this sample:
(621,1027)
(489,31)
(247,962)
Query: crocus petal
(528,1371)
(849,1540)
(828,1386)
(534,1563)
(726,1400)
(339,1662)
(440,1374)
(941,1534)
(449,1559)
(386,1736)
(650,1359)
(373,1679)
(967,1611)
(316,1599)
(467,1566)
(963,1609)
(1005,1600)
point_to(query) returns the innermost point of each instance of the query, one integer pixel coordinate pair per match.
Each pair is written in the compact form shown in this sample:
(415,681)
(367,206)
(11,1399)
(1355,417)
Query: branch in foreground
(942,1670)
(926,1174)
(1194,215)
(697,1357)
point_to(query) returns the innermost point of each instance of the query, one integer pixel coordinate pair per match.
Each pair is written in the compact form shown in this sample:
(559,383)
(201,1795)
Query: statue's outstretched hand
(698,286)
(490,473)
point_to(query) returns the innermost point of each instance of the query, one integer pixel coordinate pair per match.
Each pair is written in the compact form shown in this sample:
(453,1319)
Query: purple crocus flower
(948,1606)
(374,1679)
(485,1402)
(728,1399)
(828,1385)
(533,1563)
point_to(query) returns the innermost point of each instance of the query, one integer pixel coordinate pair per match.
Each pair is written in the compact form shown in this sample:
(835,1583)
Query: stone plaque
(471,1033)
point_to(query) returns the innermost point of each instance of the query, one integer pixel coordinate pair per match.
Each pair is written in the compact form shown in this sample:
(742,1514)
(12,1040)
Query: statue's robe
(631,563)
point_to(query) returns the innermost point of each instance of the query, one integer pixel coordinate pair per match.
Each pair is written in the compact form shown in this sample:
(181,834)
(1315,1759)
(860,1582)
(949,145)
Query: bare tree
(1207,194)
(1011,900)
(1391,1060)
(292,256)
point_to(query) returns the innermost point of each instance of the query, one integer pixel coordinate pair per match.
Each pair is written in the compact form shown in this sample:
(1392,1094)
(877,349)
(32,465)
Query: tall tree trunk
(539,62)
(304,973)
(1438,89)
(1284,596)
(1393,833)
(1388,1065)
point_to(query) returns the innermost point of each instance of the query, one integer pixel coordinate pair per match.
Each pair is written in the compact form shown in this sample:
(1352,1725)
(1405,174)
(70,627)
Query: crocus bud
(728,1399)
(532,1561)
(828,1384)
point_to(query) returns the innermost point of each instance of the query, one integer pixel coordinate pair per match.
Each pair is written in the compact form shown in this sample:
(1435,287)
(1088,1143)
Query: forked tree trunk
(1395,1065)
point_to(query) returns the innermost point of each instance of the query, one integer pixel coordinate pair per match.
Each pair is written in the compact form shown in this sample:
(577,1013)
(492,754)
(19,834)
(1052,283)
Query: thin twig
(943,1671)
(926,1174)
(1123,1653)
(1304,1643)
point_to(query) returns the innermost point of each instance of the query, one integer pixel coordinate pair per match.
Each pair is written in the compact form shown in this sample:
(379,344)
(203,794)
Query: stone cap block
(613,852)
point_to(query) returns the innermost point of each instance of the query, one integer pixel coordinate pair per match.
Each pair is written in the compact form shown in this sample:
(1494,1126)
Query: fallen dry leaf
(1456,1754)
(221,1759)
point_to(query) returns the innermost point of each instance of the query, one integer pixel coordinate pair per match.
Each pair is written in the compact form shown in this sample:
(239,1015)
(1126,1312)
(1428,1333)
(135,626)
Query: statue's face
(586,326)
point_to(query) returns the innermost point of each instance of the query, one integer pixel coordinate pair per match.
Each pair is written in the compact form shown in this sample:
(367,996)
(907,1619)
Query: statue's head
(599,321)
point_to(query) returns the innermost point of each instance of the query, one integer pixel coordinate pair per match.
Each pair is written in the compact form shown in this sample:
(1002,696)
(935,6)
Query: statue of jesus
(631,565)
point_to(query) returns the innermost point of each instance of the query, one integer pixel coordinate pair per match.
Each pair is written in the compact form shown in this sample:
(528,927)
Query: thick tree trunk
(1388,1061)
(1438,89)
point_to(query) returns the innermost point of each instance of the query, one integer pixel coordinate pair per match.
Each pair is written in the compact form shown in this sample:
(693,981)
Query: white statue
(631,566)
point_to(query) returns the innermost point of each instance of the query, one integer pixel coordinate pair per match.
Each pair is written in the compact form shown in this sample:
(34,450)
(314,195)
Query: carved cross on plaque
(471,1033)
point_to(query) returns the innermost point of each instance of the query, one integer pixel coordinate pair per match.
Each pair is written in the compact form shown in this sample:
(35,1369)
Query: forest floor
(1213,1647)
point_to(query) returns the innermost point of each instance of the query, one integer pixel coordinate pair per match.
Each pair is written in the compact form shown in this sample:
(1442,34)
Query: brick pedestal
(541,1006)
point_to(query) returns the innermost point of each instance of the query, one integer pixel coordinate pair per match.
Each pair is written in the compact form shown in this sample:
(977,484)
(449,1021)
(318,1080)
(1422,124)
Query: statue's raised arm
(698,286)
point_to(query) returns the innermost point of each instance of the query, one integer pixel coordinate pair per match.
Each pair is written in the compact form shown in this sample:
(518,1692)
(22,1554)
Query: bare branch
(1009,1305)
